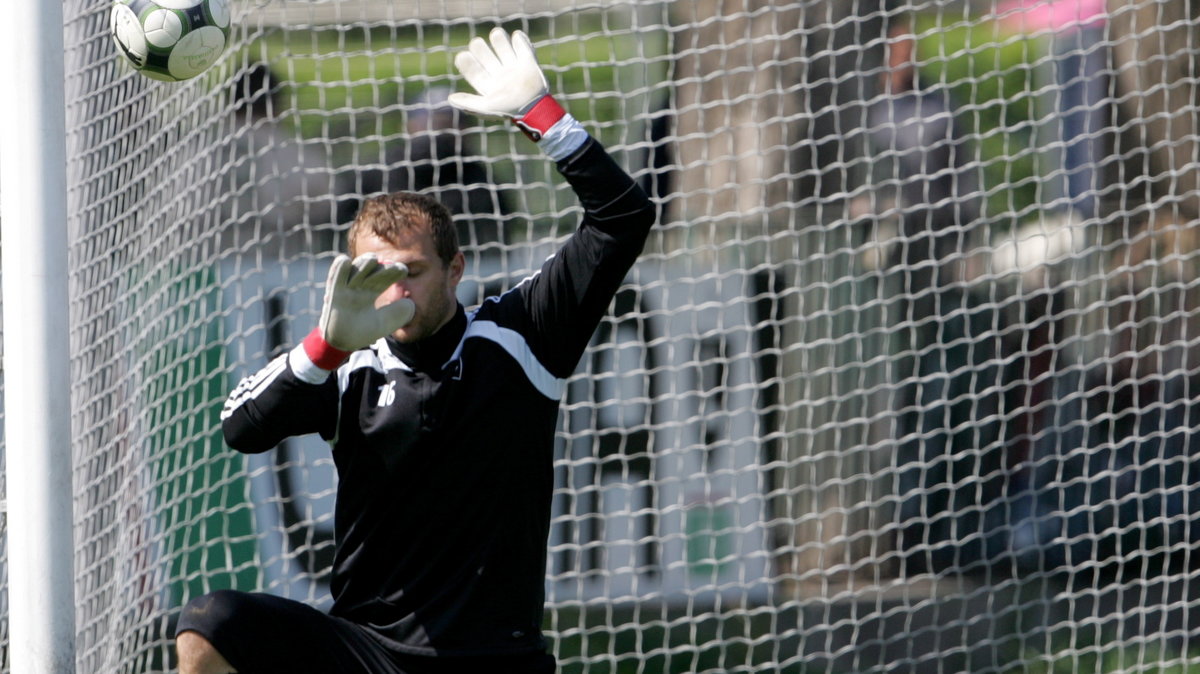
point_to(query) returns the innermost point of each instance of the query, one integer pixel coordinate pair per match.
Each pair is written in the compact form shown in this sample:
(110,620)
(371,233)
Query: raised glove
(509,82)
(349,318)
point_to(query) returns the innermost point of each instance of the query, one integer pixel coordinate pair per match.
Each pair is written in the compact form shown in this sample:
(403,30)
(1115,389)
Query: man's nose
(399,289)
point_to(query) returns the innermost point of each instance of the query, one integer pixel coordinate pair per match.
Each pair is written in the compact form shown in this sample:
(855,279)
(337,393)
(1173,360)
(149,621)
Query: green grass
(1109,658)
(661,640)
(336,74)
(347,85)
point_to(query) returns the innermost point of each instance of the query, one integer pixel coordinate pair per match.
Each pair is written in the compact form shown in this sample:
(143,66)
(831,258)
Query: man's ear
(457,265)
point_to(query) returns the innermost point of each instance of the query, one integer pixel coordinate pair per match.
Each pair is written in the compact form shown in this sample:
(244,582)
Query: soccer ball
(170,40)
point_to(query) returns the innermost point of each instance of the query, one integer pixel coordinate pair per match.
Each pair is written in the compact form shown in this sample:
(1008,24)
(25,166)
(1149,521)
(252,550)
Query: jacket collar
(431,353)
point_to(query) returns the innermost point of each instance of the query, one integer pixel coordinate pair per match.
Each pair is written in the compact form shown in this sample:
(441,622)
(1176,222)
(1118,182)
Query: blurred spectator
(283,198)
(1044,432)
(1043,419)
(1054,469)
(950,373)
(440,158)
(920,169)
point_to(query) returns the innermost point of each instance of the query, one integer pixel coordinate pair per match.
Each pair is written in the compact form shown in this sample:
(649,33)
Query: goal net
(906,378)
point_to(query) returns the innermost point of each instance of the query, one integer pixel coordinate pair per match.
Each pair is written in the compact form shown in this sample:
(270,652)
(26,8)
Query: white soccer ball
(170,40)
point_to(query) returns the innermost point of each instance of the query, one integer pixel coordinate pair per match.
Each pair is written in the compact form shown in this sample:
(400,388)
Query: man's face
(901,70)
(430,283)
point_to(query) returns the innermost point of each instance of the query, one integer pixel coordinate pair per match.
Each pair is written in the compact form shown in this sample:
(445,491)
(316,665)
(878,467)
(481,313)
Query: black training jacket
(444,448)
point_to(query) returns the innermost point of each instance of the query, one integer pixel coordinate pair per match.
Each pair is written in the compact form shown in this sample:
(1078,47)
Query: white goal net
(906,380)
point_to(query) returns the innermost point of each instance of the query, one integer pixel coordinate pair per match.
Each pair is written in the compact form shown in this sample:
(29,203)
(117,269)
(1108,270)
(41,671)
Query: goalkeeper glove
(511,85)
(349,318)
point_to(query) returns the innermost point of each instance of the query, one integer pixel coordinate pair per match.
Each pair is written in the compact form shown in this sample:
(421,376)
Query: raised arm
(557,310)
(294,394)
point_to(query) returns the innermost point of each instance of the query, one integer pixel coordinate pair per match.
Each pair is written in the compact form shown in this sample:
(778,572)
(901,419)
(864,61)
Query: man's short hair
(387,215)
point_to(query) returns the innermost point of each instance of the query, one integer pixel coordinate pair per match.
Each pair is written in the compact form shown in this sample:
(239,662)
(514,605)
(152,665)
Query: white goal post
(33,224)
(906,377)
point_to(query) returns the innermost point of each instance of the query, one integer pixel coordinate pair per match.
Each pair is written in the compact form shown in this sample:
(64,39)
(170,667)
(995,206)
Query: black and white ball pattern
(170,40)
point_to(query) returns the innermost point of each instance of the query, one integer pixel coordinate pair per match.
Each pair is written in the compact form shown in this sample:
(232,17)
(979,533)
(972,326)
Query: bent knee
(211,610)
(198,656)
(204,622)
(192,643)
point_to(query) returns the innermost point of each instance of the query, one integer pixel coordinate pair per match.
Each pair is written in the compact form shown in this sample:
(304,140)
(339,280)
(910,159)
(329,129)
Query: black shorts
(263,634)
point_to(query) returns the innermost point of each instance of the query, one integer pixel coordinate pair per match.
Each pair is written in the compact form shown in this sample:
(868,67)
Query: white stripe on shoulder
(527,279)
(515,345)
(250,387)
(378,357)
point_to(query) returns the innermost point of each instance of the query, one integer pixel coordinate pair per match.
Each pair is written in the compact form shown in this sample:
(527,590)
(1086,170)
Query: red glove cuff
(321,353)
(540,117)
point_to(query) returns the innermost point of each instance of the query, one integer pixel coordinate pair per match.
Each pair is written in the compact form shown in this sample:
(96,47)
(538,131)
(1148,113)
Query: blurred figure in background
(283,199)
(948,374)
(437,157)
(920,179)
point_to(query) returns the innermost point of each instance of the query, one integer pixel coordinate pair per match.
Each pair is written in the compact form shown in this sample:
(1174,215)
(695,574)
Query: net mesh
(905,379)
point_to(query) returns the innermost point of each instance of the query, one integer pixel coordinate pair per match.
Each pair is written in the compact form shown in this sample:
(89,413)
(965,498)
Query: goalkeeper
(441,422)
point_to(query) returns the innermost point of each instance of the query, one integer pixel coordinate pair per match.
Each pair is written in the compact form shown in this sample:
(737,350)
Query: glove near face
(349,318)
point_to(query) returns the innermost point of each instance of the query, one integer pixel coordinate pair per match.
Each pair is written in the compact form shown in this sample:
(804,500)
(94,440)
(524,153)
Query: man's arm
(295,394)
(574,288)
(277,402)
(565,301)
